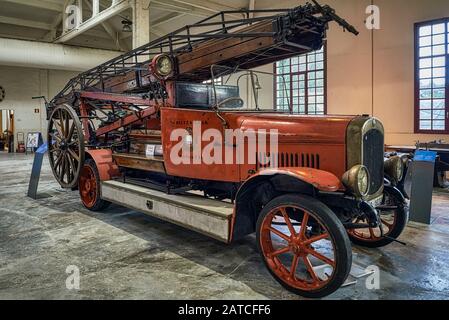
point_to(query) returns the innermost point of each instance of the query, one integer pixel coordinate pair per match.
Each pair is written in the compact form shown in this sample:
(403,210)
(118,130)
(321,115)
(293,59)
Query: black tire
(401,220)
(338,234)
(96,203)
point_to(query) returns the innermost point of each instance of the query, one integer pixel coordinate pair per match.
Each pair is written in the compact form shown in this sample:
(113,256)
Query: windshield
(248,90)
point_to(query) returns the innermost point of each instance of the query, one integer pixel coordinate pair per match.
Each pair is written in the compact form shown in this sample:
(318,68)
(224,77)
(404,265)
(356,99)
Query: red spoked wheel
(388,220)
(304,245)
(393,217)
(89,187)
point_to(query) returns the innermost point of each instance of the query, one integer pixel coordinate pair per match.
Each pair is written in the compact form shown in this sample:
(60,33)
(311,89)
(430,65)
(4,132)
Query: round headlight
(394,167)
(163,65)
(357,180)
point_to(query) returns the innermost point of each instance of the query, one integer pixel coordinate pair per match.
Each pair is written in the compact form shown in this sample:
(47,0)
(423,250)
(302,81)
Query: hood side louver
(286,160)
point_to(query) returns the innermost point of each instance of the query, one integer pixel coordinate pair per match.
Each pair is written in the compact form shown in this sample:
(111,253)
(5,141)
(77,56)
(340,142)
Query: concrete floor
(123,254)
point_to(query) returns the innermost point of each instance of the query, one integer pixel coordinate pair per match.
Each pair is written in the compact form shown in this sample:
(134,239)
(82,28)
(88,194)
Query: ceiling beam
(19,37)
(206,5)
(162,7)
(25,23)
(168,18)
(158,33)
(193,7)
(110,30)
(101,17)
(51,35)
(41,4)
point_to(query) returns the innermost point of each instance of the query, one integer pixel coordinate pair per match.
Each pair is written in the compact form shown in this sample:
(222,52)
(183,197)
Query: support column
(141,22)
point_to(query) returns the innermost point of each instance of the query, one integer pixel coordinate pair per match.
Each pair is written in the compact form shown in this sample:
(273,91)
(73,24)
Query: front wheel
(89,187)
(304,245)
(393,218)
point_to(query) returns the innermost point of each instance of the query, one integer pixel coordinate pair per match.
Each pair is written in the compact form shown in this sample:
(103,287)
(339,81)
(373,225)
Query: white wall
(21,84)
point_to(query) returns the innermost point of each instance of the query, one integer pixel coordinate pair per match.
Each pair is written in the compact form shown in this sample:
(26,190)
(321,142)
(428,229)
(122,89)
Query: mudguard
(321,180)
(272,182)
(396,192)
(107,169)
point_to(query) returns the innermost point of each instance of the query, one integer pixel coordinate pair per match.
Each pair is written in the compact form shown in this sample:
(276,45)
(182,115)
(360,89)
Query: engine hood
(295,128)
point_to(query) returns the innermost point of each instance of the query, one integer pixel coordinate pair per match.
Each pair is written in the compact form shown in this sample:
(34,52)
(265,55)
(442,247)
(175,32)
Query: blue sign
(43,148)
(425,156)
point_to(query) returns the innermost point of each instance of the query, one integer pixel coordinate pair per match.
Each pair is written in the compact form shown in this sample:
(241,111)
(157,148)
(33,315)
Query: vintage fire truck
(110,135)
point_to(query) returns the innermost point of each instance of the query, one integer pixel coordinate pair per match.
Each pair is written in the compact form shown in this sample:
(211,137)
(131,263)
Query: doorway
(7,131)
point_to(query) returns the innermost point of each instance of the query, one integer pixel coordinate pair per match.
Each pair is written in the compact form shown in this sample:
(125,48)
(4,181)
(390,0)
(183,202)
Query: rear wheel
(89,187)
(66,145)
(304,245)
(393,218)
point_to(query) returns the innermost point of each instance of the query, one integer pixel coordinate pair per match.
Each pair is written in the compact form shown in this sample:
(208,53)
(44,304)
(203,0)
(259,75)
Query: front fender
(321,180)
(267,184)
(392,189)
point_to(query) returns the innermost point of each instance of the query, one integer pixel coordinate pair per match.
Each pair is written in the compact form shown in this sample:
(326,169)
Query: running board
(209,217)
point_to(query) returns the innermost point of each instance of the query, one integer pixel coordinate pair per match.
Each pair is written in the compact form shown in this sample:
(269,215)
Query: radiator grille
(373,158)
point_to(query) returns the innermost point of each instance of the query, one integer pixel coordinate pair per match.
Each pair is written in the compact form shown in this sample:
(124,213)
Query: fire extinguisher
(20,142)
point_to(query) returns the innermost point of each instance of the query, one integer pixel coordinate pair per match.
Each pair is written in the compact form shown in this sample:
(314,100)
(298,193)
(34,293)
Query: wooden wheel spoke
(321,257)
(371,232)
(71,131)
(73,154)
(54,136)
(59,130)
(62,169)
(304,222)
(315,239)
(61,122)
(70,160)
(294,265)
(67,126)
(389,225)
(310,269)
(66,168)
(280,234)
(280,251)
(71,166)
(73,143)
(287,221)
(58,159)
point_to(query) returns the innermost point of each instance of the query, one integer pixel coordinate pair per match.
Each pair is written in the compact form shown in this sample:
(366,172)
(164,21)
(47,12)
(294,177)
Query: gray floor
(123,254)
